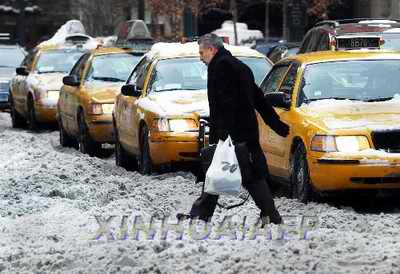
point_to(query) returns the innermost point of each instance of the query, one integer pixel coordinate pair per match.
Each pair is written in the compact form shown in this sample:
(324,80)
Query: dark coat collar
(222,52)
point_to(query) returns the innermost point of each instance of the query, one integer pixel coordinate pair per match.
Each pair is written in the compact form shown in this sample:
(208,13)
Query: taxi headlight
(351,143)
(182,125)
(53,94)
(99,109)
(175,125)
(329,143)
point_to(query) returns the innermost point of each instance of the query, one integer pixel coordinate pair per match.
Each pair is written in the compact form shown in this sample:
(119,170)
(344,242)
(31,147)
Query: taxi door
(276,148)
(130,114)
(69,98)
(20,85)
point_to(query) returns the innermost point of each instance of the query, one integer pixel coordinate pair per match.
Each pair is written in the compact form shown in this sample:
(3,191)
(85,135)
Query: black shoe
(268,220)
(183,216)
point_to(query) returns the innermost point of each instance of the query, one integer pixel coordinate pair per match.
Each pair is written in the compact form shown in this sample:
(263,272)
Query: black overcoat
(233,98)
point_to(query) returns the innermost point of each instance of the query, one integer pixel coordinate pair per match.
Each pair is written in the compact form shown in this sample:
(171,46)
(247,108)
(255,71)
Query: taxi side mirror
(130,90)
(278,99)
(22,71)
(71,80)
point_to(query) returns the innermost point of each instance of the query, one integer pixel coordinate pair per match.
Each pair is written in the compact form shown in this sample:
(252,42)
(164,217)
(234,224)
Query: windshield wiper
(327,98)
(108,79)
(53,71)
(1,66)
(378,99)
(170,89)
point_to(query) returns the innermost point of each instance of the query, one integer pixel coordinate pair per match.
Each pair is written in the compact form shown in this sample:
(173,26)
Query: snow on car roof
(72,30)
(327,56)
(191,49)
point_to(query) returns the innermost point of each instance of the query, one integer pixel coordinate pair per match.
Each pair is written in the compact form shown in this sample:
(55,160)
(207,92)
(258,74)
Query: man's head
(209,44)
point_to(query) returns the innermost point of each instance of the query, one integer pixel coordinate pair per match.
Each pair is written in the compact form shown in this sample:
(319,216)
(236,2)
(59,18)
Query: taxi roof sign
(354,42)
(134,34)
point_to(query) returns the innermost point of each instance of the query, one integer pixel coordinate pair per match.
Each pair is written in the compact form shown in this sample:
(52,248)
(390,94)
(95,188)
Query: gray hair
(211,40)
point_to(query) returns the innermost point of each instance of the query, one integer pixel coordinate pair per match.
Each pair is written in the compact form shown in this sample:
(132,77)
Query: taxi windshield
(362,80)
(191,73)
(114,67)
(57,61)
(179,74)
(259,66)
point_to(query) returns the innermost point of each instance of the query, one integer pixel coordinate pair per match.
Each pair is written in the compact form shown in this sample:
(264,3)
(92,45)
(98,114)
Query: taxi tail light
(381,42)
(332,43)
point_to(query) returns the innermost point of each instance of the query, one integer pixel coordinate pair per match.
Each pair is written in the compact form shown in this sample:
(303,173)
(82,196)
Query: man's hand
(282,129)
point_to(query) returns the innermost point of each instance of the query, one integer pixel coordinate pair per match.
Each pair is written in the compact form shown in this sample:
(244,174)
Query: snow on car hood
(179,102)
(345,114)
(104,94)
(46,81)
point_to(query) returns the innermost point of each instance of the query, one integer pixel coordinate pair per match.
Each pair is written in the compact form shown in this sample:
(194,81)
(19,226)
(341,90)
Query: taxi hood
(46,81)
(104,94)
(177,102)
(345,114)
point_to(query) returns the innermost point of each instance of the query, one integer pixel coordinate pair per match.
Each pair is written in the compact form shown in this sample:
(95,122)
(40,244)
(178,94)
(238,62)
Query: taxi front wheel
(122,158)
(32,122)
(17,121)
(300,186)
(65,139)
(145,164)
(86,144)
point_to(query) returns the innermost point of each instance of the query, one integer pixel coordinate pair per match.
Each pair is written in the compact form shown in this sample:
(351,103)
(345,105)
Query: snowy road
(50,197)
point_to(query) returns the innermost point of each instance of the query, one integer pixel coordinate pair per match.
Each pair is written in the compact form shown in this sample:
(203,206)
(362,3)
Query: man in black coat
(233,97)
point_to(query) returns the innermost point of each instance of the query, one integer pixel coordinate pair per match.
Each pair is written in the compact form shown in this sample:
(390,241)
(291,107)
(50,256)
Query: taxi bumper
(101,128)
(46,113)
(332,172)
(173,147)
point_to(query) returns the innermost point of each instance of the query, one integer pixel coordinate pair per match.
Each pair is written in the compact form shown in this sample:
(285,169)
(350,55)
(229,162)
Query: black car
(347,34)
(11,57)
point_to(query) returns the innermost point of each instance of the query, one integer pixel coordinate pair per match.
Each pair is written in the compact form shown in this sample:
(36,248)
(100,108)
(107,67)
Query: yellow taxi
(87,97)
(343,109)
(36,86)
(156,116)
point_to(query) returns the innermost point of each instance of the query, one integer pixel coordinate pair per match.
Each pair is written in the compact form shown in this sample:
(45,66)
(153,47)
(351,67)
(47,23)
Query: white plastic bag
(223,177)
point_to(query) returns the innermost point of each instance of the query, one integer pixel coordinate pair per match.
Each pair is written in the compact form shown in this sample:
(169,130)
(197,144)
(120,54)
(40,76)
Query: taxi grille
(387,140)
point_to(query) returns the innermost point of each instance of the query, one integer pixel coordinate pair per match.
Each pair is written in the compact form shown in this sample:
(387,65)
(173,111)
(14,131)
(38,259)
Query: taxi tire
(122,157)
(32,122)
(86,144)
(17,121)
(145,165)
(300,185)
(65,139)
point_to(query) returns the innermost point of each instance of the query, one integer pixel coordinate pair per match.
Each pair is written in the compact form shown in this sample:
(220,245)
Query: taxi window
(28,60)
(79,65)
(274,79)
(139,73)
(362,80)
(112,67)
(290,79)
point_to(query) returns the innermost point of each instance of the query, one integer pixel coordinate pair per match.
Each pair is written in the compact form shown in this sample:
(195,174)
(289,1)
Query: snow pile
(70,30)
(50,197)
(244,35)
